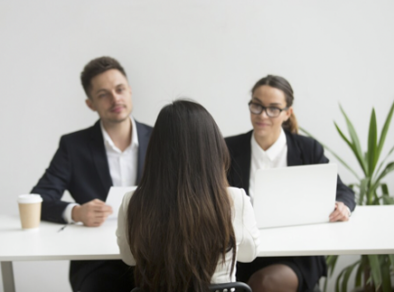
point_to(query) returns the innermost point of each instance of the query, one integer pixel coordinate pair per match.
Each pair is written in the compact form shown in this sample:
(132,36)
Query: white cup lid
(29,199)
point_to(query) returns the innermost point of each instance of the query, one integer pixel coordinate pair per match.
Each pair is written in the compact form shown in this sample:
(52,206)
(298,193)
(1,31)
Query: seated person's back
(182,227)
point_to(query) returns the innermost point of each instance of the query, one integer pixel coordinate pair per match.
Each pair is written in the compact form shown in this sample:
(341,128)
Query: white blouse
(275,156)
(244,223)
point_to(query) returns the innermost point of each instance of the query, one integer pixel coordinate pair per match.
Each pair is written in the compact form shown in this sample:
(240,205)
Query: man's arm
(51,187)
(53,183)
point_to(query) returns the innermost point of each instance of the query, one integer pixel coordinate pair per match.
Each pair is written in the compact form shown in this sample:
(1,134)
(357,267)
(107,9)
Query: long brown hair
(282,84)
(179,218)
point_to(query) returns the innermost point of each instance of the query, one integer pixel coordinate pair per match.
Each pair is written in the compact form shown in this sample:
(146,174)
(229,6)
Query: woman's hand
(341,212)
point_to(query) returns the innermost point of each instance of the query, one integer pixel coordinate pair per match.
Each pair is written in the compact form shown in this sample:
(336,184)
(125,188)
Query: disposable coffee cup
(30,211)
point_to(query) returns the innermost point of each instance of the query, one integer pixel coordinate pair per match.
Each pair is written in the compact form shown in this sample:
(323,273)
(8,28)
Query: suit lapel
(241,160)
(294,155)
(100,157)
(143,140)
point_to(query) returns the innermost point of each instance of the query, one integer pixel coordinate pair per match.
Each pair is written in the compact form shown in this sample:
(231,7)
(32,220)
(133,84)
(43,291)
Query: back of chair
(230,287)
(223,287)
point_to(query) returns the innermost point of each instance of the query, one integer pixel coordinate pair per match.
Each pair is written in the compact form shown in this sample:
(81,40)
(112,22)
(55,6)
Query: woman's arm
(248,248)
(121,232)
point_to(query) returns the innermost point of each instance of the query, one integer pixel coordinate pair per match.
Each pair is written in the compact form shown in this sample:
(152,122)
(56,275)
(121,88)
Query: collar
(272,152)
(109,143)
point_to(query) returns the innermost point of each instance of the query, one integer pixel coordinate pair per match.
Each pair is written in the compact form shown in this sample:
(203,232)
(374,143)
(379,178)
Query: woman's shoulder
(126,199)
(237,195)
(127,196)
(301,140)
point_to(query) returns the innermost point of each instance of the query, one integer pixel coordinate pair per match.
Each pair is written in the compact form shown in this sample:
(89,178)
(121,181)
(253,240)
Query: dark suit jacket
(80,166)
(301,150)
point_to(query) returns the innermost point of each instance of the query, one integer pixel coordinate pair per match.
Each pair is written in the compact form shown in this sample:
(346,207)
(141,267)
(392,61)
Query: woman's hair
(179,218)
(283,85)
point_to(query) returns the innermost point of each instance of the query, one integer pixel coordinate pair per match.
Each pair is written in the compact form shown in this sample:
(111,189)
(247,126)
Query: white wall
(212,51)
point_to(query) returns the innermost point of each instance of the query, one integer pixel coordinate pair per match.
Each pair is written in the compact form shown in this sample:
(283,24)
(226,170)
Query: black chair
(230,287)
(224,287)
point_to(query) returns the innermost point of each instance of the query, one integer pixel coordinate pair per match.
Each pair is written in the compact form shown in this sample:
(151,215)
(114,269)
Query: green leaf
(338,281)
(348,142)
(389,168)
(363,190)
(333,153)
(387,200)
(383,161)
(391,257)
(325,284)
(359,274)
(331,261)
(366,160)
(385,129)
(360,159)
(375,270)
(356,142)
(346,275)
(352,186)
(386,278)
(372,155)
(376,199)
(385,189)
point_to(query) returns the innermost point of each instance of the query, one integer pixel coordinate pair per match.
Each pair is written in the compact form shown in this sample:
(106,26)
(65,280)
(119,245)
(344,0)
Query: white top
(245,229)
(123,166)
(275,156)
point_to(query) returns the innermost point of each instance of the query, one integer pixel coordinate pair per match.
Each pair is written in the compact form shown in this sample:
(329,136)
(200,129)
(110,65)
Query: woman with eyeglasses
(183,227)
(274,142)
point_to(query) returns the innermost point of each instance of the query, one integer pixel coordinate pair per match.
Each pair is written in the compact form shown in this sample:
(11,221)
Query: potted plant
(373,272)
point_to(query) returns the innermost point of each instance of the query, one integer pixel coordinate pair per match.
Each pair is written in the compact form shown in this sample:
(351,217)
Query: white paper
(115,197)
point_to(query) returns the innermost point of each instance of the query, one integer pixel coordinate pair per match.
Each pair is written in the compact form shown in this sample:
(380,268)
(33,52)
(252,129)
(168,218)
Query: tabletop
(369,231)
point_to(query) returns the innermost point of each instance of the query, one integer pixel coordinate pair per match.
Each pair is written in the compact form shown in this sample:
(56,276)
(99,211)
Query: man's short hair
(96,67)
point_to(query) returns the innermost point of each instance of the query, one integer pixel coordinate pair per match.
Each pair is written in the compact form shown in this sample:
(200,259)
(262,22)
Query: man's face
(110,97)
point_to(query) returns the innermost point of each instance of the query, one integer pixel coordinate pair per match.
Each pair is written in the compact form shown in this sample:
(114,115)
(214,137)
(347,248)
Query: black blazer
(301,150)
(80,166)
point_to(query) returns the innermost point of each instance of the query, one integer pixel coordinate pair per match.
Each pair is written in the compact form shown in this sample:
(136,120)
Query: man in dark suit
(88,162)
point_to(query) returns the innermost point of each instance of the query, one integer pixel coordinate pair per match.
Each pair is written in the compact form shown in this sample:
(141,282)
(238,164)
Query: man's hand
(92,213)
(341,212)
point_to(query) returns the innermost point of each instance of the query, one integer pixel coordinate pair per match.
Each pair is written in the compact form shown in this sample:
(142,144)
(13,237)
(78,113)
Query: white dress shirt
(275,156)
(122,165)
(246,232)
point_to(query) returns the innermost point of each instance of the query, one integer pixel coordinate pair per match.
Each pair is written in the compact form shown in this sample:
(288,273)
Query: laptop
(295,195)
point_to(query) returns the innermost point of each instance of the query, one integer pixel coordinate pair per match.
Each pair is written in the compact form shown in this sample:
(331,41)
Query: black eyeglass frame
(265,108)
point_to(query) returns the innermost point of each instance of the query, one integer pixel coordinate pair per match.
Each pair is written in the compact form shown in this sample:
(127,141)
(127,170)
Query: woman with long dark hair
(183,227)
(274,142)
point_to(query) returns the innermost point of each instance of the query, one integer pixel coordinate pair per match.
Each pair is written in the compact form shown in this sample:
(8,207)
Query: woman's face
(266,127)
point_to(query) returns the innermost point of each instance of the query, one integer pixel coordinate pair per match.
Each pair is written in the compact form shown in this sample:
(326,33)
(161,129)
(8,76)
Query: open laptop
(294,195)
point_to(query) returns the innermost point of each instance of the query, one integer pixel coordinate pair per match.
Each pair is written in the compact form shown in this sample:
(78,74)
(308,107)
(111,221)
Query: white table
(370,231)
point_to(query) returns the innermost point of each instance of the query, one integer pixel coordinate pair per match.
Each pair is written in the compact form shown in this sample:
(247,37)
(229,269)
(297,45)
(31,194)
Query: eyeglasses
(271,111)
